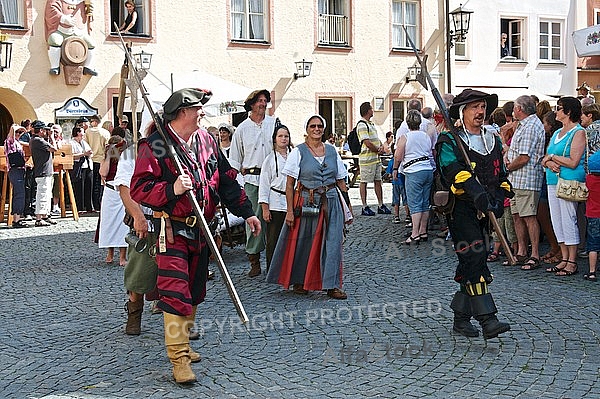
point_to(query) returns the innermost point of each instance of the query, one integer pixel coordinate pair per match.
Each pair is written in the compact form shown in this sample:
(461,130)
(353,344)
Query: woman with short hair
(414,153)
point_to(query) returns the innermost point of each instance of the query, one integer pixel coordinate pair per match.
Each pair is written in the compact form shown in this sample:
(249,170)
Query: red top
(592,209)
(149,185)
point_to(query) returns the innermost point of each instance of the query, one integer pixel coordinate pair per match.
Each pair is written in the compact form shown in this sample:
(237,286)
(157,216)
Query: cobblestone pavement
(62,333)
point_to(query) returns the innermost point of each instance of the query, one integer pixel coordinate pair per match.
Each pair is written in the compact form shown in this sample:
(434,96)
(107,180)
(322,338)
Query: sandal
(565,272)
(521,259)
(412,240)
(555,268)
(423,237)
(531,264)
(551,255)
(19,224)
(41,223)
(493,257)
(591,276)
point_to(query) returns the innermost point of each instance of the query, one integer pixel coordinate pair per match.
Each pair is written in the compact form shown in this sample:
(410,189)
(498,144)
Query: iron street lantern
(413,72)
(143,60)
(303,69)
(461,19)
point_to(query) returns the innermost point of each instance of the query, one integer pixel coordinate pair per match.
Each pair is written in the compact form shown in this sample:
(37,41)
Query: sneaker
(49,220)
(384,210)
(55,212)
(366,211)
(583,254)
(396,220)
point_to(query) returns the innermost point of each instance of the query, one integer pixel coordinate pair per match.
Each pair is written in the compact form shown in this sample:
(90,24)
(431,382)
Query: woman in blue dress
(308,254)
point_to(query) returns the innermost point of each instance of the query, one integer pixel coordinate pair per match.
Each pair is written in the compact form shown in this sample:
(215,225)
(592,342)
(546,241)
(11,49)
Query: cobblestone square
(62,332)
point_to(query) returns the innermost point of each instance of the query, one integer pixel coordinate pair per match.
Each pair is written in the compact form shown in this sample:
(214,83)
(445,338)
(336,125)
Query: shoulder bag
(572,190)
(16,160)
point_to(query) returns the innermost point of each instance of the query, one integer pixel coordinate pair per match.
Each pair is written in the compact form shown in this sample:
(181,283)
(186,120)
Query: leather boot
(462,315)
(484,311)
(178,347)
(134,317)
(254,264)
(194,356)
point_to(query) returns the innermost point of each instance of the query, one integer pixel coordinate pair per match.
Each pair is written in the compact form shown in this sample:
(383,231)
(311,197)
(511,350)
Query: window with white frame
(405,13)
(119,13)
(249,20)
(12,14)
(334,22)
(515,29)
(550,40)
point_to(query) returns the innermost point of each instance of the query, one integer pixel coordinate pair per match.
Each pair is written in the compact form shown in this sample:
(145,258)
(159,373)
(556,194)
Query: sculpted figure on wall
(64,19)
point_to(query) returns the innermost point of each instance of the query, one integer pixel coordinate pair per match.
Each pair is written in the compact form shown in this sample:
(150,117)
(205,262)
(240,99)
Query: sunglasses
(315,126)
(559,108)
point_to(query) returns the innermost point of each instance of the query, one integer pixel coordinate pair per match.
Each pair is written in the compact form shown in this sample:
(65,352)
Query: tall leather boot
(484,311)
(134,317)
(178,347)
(462,315)
(194,356)
(254,264)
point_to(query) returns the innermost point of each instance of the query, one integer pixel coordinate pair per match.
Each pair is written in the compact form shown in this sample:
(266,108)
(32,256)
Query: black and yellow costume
(468,223)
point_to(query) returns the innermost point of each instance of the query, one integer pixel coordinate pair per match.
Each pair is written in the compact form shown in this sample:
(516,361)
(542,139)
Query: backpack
(353,142)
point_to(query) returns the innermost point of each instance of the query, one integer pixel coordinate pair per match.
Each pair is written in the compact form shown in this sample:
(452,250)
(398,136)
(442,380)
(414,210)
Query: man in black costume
(475,195)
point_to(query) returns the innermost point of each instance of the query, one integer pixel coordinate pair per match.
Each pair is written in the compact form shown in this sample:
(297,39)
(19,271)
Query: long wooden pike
(201,220)
(426,78)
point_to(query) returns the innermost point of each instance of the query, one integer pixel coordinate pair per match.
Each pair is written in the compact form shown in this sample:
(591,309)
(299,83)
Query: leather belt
(251,171)
(278,191)
(319,189)
(189,221)
(413,161)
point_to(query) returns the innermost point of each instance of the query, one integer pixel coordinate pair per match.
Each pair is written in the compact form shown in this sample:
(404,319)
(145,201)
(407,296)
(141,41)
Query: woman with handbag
(15,166)
(565,176)
(308,254)
(414,155)
(81,174)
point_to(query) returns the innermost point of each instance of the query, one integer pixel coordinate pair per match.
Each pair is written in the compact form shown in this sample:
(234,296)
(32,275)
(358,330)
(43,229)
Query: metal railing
(333,29)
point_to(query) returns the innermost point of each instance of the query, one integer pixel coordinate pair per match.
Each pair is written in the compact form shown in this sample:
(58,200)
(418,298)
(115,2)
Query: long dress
(311,252)
(112,230)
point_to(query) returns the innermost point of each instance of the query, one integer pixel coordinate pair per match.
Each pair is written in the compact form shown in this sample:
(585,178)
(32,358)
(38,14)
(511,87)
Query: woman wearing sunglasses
(308,254)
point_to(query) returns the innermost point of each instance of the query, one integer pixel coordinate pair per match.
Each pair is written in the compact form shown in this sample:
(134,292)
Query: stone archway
(13,109)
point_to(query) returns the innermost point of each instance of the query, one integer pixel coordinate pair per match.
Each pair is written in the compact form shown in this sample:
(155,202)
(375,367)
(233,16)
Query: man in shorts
(526,174)
(368,160)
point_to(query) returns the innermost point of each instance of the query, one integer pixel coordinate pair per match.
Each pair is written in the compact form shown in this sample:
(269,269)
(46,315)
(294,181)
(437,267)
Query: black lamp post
(461,19)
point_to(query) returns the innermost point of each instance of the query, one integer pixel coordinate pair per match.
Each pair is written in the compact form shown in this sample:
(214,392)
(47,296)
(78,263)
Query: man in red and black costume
(475,194)
(182,252)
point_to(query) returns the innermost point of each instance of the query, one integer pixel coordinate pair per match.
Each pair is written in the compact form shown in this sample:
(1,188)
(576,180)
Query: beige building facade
(357,49)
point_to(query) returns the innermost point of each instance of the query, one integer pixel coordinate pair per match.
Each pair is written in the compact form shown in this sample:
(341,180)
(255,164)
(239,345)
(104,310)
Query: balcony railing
(333,29)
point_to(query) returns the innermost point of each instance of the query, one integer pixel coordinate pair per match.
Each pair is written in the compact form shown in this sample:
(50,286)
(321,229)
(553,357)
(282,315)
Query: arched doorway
(13,109)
